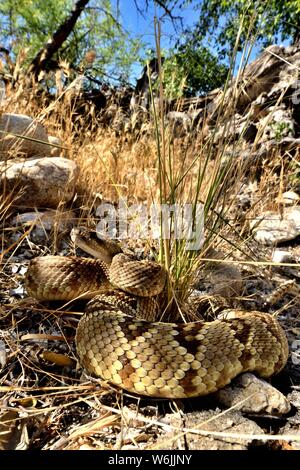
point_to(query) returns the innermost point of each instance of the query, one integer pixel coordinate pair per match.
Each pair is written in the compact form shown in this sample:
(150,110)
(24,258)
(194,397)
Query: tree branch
(44,56)
(160,3)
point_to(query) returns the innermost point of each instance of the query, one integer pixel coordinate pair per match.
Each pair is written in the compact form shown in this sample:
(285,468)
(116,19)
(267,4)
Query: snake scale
(153,359)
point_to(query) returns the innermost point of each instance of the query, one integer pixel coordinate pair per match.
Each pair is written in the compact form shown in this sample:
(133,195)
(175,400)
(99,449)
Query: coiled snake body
(154,359)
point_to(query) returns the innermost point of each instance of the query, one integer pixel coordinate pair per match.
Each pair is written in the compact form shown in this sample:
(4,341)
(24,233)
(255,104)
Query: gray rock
(39,182)
(294,398)
(270,228)
(179,123)
(282,256)
(251,394)
(54,151)
(219,278)
(239,127)
(11,146)
(290,198)
(41,223)
(292,429)
(286,144)
(46,220)
(278,124)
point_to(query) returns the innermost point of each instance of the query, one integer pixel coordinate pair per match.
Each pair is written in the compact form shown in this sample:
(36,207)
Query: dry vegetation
(42,390)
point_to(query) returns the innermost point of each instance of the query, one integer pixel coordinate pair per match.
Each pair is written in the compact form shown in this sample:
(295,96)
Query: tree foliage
(100,44)
(28,24)
(191,69)
(269,21)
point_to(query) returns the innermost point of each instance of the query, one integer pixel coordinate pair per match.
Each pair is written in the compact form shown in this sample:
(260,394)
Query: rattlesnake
(151,358)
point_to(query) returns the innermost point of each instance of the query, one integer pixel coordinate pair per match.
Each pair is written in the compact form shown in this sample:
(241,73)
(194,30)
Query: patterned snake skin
(154,359)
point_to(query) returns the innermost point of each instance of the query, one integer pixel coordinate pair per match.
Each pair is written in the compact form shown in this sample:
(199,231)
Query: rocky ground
(47,401)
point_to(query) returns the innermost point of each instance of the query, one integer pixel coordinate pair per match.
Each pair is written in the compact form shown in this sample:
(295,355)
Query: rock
(269,147)
(179,123)
(226,426)
(39,182)
(11,146)
(271,73)
(267,112)
(3,355)
(42,223)
(55,151)
(219,278)
(294,398)
(254,395)
(270,228)
(245,197)
(2,91)
(289,198)
(239,127)
(46,220)
(278,124)
(280,256)
(258,108)
(292,428)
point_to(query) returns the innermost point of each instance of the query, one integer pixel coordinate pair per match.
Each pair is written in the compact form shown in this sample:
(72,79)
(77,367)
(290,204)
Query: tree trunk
(296,36)
(44,56)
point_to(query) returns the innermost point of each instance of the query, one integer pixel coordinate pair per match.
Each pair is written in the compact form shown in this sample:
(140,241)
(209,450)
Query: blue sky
(144,25)
(137,24)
